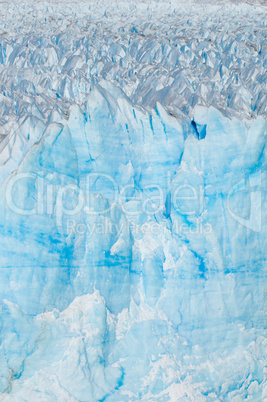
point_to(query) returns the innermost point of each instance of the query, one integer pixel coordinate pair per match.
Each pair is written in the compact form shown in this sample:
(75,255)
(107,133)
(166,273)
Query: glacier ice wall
(133,202)
(133,258)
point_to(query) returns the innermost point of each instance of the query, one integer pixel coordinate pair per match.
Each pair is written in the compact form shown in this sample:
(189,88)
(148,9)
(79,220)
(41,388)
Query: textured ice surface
(132,242)
(178,53)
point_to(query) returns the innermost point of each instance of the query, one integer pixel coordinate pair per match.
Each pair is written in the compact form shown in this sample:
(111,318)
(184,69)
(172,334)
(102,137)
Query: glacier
(132,211)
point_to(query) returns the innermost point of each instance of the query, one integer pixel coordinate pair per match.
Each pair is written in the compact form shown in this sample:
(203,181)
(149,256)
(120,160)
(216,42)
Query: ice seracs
(181,55)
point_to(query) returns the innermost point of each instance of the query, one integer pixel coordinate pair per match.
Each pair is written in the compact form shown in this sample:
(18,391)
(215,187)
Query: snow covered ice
(133,201)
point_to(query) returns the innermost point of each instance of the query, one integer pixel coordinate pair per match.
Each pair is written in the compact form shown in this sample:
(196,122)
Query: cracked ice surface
(153,287)
(178,54)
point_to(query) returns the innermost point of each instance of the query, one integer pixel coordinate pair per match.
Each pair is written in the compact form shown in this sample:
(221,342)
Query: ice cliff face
(132,242)
(132,258)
